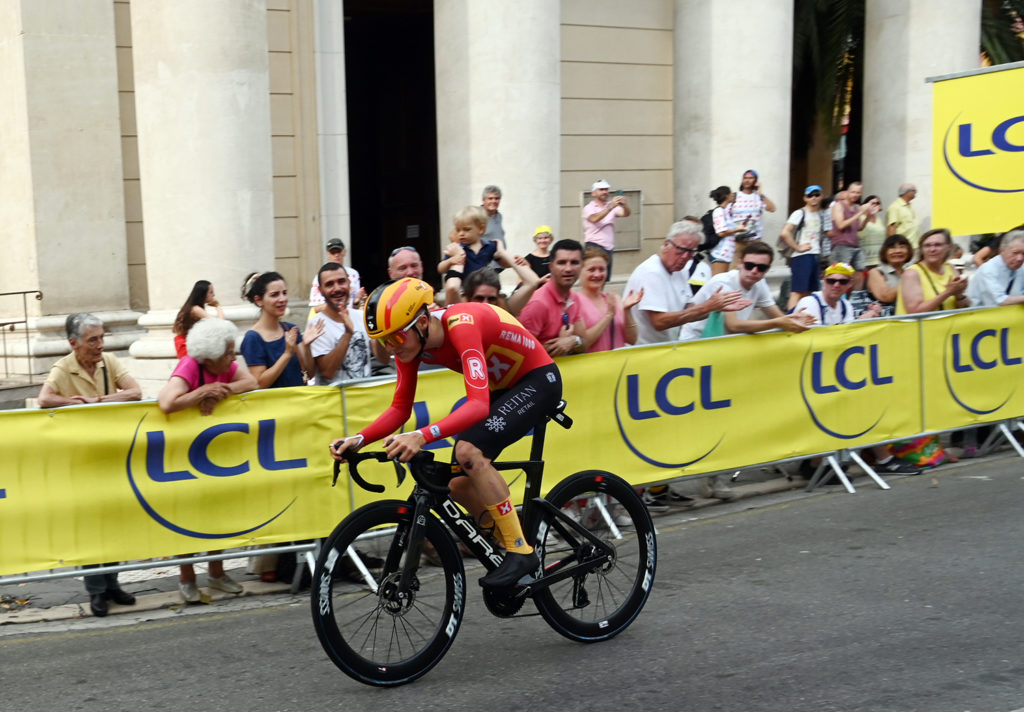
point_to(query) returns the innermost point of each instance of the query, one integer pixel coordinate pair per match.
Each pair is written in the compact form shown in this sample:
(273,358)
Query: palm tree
(828,68)
(1002,31)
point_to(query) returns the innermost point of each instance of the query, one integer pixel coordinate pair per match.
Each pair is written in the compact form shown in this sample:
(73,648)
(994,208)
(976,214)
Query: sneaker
(896,466)
(720,490)
(572,510)
(189,592)
(512,568)
(679,499)
(655,502)
(596,519)
(225,583)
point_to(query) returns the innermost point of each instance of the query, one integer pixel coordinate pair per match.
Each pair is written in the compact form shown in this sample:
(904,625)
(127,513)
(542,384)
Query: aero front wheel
(601,603)
(372,629)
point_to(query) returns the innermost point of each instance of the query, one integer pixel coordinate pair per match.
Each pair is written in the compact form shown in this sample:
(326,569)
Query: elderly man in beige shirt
(88,375)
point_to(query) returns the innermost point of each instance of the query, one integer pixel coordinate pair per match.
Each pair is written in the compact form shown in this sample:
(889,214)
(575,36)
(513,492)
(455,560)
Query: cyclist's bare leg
(492,491)
(465,494)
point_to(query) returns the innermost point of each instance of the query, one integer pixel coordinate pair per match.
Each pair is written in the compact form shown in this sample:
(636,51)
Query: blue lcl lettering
(199,456)
(661,399)
(999,139)
(842,376)
(977,361)
(965,144)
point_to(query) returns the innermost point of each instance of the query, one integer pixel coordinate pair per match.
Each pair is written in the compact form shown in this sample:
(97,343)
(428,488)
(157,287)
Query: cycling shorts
(516,410)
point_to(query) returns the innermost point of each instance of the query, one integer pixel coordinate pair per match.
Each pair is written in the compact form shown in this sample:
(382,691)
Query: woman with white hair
(209,373)
(203,378)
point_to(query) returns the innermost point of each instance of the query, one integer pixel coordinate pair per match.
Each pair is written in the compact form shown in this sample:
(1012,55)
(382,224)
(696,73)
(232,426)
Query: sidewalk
(154,589)
(157,588)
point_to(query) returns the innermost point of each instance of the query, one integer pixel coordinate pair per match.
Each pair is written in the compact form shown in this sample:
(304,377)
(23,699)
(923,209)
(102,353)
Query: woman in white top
(723,253)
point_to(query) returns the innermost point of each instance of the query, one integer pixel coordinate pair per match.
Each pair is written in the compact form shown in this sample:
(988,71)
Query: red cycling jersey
(485,344)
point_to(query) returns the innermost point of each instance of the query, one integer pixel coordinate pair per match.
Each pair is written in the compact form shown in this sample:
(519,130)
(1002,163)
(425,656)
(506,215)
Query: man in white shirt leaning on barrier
(1000,281)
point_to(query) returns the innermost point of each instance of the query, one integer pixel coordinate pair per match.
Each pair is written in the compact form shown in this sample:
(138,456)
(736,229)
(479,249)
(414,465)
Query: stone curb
(147,602)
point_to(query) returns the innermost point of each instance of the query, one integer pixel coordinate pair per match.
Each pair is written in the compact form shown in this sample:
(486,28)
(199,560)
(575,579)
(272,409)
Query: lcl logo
(987,155)
(976,369)
(836,386)
(203,467)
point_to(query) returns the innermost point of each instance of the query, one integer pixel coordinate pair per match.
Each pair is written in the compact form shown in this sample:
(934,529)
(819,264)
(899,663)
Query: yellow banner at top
(978,152)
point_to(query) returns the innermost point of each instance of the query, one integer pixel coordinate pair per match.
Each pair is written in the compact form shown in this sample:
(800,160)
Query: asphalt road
(898,601)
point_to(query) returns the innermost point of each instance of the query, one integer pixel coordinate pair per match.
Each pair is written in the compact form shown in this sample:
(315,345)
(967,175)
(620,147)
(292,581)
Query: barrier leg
(869,470)
(829,462)
(1003,430)
(361,567)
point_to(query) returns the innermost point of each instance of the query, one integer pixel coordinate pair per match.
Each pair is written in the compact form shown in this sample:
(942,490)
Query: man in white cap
(599,219)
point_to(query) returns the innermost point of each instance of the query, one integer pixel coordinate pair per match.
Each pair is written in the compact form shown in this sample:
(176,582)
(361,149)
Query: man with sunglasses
(803,233)
(829,306)
(749,280)
(666,302)
(511,385)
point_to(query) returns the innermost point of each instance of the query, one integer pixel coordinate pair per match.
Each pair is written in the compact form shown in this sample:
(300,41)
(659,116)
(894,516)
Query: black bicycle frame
(424,502)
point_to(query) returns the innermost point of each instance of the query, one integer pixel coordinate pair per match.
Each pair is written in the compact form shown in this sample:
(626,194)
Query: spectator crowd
(847,258)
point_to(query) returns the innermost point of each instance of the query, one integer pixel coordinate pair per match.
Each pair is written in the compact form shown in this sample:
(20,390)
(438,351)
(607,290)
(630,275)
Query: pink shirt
(601,232)
(611,338)
(542,315)
(188,368)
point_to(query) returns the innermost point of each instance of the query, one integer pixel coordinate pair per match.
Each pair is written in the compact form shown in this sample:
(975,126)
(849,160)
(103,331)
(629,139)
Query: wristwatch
(579,342)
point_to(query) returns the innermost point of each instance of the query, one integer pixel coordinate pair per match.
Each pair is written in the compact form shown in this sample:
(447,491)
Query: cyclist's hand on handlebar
(339,446)
(404,446)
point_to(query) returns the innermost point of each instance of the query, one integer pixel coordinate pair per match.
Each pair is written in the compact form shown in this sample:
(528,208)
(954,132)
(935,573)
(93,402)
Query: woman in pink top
(608,321)
(203,378)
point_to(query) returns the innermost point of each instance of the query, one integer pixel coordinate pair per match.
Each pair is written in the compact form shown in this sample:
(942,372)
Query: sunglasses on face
(682,250)
(397,338)
(756,266)
(836,280)
(814,194)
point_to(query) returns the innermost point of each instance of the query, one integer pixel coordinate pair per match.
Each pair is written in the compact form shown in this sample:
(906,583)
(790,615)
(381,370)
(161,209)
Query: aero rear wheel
(371,630)
(599,604)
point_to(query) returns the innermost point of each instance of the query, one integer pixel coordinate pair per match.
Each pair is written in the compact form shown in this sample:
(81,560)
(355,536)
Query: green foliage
(1002,24)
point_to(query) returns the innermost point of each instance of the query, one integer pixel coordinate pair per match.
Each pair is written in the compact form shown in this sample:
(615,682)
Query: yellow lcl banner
(121,482)
(92,484)
(662,412)
(978,151)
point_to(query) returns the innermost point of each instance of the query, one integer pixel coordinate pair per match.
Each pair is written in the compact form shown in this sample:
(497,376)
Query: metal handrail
(6,326)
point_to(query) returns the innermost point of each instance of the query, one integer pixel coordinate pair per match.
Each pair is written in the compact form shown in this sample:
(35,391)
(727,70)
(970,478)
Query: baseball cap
(600,184)
(811,188)
(335,244)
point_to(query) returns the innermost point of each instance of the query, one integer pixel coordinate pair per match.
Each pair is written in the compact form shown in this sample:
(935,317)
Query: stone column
(905,43)
(733,79)
(62,220)
(203,112)
(499,111)
(335,213)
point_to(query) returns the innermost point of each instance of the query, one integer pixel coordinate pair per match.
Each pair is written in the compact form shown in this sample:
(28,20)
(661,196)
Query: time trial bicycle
(385,615)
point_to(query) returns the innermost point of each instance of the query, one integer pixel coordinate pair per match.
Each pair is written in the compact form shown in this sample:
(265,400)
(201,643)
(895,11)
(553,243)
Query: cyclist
(511,385)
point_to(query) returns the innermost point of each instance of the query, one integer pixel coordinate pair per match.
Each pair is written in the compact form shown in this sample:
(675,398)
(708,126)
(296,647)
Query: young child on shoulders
(467,248)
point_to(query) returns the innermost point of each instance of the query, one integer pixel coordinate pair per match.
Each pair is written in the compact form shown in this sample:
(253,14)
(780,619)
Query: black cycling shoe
(512,568)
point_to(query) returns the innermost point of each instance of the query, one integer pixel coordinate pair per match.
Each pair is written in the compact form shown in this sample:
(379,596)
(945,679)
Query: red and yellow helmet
(394,306)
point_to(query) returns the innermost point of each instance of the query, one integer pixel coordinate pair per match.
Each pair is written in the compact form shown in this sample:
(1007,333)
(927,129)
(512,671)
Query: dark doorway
(392,136)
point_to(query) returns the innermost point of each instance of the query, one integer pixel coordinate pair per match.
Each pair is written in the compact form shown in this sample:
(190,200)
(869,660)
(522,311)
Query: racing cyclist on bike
(511,385)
